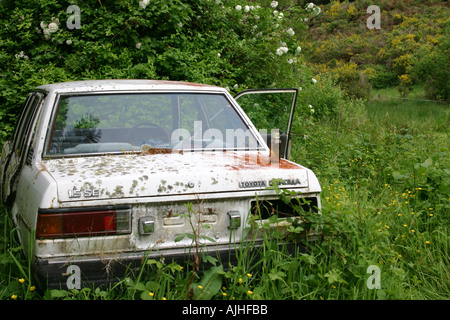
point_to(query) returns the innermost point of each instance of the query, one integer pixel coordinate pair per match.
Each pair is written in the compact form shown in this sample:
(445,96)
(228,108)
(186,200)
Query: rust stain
(248,162)
(159,151)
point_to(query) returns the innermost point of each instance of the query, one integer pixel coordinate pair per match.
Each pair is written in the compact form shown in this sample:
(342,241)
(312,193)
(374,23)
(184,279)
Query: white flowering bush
(235,44)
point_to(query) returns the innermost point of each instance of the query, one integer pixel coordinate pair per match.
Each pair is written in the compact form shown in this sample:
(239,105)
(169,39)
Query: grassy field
(385,180)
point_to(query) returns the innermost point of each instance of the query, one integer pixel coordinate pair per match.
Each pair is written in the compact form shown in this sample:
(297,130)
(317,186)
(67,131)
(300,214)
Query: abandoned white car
(100,175)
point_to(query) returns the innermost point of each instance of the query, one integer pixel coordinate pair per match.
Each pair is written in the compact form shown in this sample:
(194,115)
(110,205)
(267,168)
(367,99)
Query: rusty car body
(100,174)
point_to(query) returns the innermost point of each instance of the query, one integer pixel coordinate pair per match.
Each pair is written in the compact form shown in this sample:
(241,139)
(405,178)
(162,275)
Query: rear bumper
(87,271)
(75,272)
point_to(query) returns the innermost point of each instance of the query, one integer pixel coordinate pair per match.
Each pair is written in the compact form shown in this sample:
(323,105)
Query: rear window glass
(115,123)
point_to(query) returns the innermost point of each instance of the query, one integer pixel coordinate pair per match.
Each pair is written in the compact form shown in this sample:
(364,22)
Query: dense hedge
(227,43)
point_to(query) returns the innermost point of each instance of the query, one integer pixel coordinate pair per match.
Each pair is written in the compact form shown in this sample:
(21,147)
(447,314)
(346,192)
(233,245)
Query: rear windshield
(117,123)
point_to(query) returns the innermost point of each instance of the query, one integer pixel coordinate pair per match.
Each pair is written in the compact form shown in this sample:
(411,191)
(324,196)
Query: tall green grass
(385,203)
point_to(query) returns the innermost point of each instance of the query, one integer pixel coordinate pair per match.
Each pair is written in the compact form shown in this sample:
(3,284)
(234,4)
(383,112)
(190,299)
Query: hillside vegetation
(411,47)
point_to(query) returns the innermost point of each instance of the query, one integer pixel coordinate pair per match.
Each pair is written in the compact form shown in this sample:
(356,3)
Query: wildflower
(14,297)
(313,80)
(21,55)
(281,50)
(246,8)
(274,4)
(151,294)
(240,280)
(164,298)
(143,3)
(138,45)
(218,55)
(250,292)
(413,231)
(238,8)
(298,49)
(427,242)
(32,288)
(200,287)
(224,294)
(52,27)
(68,42)
(249,275)
(22,280)
(290,32)
(310,5)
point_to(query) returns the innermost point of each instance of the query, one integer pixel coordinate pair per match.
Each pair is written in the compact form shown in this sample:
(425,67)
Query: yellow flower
(427,242)
(163,298)
(32,288)
(240,280)
(14,297)
(249,275)
(151,294)
(250,292)
(200,287)
(224,294)
(22,280)
(413,231)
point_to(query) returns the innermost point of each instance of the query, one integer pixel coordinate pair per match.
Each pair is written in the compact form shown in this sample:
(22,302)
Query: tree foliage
(217,42)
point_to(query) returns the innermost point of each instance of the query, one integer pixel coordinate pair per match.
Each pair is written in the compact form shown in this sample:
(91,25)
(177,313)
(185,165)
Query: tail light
(83,222)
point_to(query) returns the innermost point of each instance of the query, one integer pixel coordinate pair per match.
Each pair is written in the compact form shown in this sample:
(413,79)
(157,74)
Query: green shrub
(322,99)
(432,68)
(216,42)
(383,78)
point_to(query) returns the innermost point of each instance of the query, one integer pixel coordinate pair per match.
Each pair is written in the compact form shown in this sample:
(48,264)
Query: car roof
(126,85)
